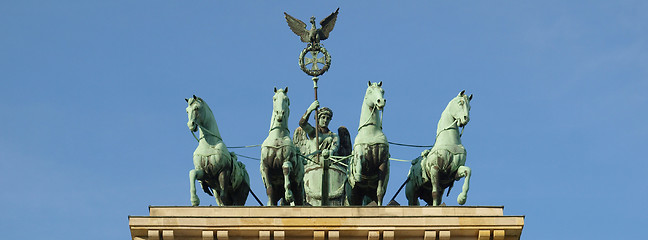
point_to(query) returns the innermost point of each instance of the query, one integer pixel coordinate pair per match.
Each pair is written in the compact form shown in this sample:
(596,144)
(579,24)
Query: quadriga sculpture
(438,168)
(281,169)
(369,166)
(218,170)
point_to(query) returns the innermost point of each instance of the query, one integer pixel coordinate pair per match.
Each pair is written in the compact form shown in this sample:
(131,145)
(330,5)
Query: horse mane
(448,106)
(208,115)
(206,106)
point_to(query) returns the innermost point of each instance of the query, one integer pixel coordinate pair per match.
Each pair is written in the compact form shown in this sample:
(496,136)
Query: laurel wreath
(315,48)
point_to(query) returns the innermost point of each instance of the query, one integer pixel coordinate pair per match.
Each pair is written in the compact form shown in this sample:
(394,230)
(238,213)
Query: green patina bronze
(219,172)
(438,168)
(323,174)
(331,146)
(314,70)
(313,38)
(319,167)
(282,169)
(314,35)
(369,166)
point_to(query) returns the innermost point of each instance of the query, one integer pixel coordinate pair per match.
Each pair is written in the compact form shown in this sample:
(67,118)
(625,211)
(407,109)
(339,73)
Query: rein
(284,128)
(437,136)
(279,127)
(447,128)
(367,123)
(204,131)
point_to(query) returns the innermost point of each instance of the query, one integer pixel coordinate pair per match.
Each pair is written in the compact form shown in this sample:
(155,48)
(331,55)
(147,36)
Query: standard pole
(324,162)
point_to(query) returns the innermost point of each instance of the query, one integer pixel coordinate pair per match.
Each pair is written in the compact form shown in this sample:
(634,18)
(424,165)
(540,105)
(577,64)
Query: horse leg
(383,178)
(465,172)
(216,191)
(354,194)
(434,180)
(265,175)
(268,186)
(298,191)
(348,188)
(288,195)
(426,195)
(356,165)
(217,197)
(241,193)
(298,179)
(195,174)
(411,192)
(440,196)
(226,188)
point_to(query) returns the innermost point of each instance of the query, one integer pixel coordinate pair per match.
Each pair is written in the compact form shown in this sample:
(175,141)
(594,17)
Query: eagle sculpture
(314,35)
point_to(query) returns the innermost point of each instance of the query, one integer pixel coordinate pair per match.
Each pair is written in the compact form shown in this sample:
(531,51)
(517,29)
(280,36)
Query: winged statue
(336,148)
(314,35)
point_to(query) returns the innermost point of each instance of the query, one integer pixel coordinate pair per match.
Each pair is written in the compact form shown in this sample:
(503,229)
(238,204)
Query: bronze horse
(369,166)
(282,169)
(438,168)
(218,171)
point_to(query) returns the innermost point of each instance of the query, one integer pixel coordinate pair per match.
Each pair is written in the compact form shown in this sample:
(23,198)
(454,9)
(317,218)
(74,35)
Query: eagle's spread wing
(345,147)
(298,27)
(327,24)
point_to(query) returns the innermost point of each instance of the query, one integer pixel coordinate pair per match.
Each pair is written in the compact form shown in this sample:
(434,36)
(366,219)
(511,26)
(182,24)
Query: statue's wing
(345,147)
(327,24)
(298,27)
(300,139)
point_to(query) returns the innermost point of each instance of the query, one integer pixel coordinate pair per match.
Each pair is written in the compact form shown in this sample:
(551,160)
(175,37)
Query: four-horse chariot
(318,166)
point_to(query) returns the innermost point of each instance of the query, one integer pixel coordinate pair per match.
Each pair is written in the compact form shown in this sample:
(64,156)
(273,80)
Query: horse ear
(187,100)
(369,84)
(462,92)
(470,98)
(275,89)
(380,84)
(195,98)
(286,90)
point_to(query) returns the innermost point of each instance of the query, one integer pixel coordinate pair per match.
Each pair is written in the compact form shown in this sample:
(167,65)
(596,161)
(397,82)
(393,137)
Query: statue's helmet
(326,111)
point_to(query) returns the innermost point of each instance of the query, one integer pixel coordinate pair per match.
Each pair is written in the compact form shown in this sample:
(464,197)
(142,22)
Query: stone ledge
(325,211)
(286,223)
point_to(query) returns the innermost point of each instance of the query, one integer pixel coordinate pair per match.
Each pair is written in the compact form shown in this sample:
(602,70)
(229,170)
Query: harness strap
(367,123)
(210,133)
(287,130)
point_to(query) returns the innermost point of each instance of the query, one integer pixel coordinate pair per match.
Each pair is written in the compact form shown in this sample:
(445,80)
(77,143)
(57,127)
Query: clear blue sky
(93,127)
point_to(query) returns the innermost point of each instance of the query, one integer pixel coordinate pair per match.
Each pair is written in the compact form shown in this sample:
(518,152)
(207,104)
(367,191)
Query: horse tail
(450,188)
(206,188)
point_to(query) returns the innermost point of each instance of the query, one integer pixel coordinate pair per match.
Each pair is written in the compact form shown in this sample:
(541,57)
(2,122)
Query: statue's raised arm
(328,141)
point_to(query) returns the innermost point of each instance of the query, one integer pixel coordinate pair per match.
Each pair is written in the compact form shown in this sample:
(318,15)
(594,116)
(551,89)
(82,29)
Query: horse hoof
(289,196)
(461,199)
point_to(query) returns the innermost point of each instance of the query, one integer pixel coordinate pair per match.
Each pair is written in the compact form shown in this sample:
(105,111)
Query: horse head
(194,110)
(460,108)
(280,104)
(374,96)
